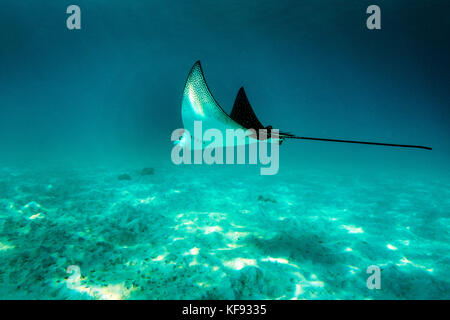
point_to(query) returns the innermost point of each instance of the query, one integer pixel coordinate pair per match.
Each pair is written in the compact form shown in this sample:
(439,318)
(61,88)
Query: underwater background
(91,206)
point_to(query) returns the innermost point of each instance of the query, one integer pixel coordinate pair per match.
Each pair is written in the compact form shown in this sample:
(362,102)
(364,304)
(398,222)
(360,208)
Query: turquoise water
(83,113)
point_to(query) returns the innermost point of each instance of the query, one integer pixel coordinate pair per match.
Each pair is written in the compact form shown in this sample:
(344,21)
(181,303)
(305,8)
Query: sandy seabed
(190,233)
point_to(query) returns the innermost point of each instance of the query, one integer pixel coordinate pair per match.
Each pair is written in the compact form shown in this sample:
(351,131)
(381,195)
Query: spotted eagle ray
(199,105)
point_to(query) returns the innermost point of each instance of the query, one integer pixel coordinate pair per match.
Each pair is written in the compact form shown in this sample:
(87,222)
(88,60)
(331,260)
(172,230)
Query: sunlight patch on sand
(404,261)
(209,230)
(203,284)
(280,260)
(146,200)
(353,269)
(32,204)
(110,292)
(36,216)
(194,251)
(298,291)
(352,229)
(236,235)
(160,257)
(230,246)
(239,263)
(391,247)
(4,246)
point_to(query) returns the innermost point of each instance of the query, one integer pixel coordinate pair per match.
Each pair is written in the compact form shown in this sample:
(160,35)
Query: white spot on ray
(195,103)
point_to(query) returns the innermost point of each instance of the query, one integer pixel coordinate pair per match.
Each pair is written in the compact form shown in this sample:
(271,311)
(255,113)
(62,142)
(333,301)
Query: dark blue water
(80,107)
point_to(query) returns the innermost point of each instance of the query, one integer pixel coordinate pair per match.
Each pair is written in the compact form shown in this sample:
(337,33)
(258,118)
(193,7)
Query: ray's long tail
(284,135)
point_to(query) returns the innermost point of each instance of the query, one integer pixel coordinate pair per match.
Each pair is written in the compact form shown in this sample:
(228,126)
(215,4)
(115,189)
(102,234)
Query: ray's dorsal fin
(243,113)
